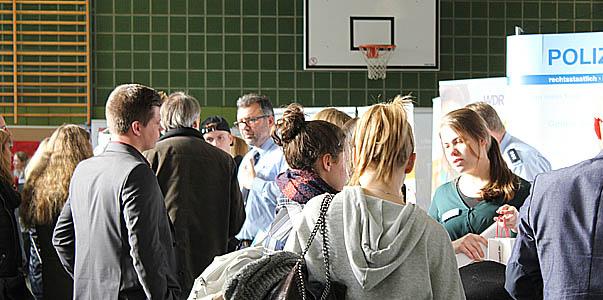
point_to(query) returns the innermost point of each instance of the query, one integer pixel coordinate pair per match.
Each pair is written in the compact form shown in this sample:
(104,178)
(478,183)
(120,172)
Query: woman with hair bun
(380,246)
(314,153)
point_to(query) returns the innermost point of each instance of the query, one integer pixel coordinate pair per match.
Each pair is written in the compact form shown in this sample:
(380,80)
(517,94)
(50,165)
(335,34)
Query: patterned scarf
(301,186)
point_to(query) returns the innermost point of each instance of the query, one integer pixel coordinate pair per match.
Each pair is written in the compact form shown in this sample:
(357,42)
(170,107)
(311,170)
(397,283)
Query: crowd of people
(145,216)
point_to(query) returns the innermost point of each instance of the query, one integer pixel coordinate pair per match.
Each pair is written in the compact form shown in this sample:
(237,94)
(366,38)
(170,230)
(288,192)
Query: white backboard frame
(333,29)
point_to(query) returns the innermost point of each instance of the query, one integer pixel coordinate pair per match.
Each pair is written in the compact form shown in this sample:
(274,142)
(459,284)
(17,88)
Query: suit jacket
(202,196)
(113,235)
(558,253)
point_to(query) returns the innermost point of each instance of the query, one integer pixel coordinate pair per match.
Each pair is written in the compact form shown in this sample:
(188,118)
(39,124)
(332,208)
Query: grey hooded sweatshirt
(379,249)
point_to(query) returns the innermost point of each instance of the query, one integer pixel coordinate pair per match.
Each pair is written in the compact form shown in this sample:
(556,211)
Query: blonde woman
(332,115)
(380,246)
(34,265)
(239,148)
(45,192)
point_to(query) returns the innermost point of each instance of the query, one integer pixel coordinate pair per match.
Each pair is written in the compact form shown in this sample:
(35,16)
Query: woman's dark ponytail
(304,142)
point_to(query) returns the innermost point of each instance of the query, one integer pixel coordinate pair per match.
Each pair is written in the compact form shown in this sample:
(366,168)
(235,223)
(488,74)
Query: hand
(470,245)
(247,174)
(219,296)
(509,214)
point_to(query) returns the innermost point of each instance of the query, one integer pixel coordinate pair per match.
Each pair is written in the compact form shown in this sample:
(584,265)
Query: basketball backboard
(333,30)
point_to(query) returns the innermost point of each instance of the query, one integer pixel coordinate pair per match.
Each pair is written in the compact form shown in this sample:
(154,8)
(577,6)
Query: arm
(472,245)
(302,228)
(295,239)
(63,238)
(523,277)
(267,188)
(144,215)
(443,271)
(532,165)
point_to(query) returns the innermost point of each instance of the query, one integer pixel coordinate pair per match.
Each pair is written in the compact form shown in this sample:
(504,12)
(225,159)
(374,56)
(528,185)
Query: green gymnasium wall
(217,50)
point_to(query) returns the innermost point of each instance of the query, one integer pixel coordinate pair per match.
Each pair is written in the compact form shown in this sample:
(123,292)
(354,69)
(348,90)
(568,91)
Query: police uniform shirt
(523,160)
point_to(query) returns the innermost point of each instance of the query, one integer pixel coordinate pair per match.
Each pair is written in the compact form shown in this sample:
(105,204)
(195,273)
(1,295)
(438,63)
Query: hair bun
(290,125)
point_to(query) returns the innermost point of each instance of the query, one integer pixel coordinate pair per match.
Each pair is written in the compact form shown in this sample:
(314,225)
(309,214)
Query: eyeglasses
(598,127)
(249,121)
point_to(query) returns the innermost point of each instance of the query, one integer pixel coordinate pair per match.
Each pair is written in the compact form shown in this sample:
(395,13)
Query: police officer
(523,159)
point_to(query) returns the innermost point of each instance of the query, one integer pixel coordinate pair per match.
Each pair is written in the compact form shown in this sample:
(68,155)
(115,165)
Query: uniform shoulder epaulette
(513,155)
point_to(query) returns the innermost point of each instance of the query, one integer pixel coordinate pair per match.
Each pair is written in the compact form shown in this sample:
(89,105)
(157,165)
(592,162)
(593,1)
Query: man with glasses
(260,166)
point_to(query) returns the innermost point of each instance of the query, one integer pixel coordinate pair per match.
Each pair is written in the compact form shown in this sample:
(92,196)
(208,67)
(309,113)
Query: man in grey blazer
(558,253)
(114,235)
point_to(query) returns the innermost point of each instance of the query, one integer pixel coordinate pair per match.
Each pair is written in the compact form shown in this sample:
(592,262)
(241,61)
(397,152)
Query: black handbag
(283,275)
(296,284)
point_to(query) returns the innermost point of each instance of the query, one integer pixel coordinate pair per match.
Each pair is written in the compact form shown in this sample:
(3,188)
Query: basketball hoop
(376,57)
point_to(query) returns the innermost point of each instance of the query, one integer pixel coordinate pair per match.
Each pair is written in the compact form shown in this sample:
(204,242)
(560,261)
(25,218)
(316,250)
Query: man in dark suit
(199,182)
(558,253)
(113,235)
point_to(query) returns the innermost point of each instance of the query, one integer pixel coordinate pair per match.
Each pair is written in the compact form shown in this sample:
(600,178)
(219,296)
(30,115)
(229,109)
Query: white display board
(333,30)
(549,98)
(555,83)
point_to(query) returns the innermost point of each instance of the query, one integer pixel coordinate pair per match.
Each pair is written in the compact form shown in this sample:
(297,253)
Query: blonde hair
(239,147)
(332,115)
(5,156)
(471,127)
(348,145)
(383,140)
(47,187)
(36,158)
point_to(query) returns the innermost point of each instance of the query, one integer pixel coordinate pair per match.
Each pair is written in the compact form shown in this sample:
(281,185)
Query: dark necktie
(245,192)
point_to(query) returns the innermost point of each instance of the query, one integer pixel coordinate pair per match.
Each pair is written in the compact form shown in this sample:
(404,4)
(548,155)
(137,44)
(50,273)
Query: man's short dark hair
(213,123)
(128,103)
(488,113)
(251,98)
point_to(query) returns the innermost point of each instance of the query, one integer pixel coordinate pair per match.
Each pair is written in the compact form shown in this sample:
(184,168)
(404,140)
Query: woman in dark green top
(486,187)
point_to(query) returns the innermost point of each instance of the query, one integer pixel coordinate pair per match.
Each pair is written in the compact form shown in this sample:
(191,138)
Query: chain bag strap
(321,225)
